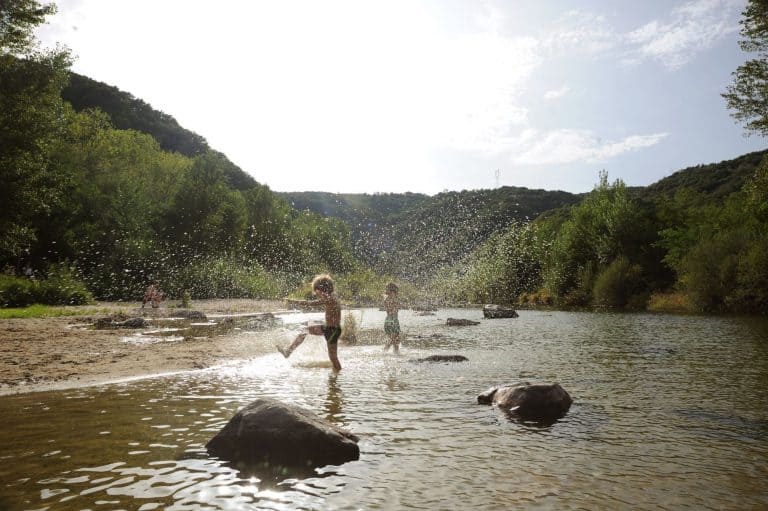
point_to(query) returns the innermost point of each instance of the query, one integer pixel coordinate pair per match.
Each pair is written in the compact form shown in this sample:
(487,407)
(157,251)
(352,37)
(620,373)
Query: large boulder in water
(270,433)
(539,402)
(491,311)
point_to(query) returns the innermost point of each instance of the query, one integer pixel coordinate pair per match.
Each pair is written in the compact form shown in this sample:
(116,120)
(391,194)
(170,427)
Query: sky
(424,96)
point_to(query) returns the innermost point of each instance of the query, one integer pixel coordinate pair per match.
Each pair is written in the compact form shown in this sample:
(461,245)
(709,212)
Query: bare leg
(295,344)
(394,341)
(333,355)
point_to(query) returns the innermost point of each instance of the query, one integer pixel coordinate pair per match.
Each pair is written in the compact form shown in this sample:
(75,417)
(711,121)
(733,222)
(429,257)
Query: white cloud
(569,146)
(694,27)
(471,91)
(579,32)
(557,93)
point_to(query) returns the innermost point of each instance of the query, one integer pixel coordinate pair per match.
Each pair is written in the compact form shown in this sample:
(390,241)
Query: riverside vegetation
(102,194)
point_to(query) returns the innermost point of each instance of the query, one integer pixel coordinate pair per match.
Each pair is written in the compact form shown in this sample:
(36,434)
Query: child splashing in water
(322,285)
(392,322)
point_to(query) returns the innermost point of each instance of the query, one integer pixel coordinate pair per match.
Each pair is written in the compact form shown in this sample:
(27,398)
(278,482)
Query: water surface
(669,413)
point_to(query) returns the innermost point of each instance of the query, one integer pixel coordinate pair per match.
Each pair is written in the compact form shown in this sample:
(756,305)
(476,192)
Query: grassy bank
(48,311)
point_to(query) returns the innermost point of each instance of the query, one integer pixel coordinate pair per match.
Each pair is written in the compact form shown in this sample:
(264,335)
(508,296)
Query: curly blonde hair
(323,282)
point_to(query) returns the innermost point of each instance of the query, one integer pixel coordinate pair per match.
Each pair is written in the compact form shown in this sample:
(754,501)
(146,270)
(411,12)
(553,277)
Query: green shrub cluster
(223,278)
(59,288)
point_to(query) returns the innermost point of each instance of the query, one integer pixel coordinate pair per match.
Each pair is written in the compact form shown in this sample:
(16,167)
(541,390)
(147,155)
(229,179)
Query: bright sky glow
(423,96)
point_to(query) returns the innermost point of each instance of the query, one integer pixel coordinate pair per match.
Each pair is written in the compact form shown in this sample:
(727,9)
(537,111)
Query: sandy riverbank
(53,353)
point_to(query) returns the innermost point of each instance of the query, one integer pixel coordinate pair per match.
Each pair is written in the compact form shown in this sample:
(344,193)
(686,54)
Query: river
(669,412)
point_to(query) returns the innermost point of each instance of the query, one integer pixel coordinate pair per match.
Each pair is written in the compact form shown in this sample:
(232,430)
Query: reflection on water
(669,412)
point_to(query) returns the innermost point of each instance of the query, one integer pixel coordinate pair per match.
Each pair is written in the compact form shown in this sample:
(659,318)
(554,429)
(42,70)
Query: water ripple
(668,413)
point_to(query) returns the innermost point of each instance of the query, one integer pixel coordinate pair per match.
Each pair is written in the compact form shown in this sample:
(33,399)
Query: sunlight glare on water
(668,413)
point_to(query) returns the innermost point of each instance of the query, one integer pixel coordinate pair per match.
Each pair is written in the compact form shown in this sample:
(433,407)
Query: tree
(18,18)
(748,95)
(757,190)
(206,216)
(31,120)
(607,224)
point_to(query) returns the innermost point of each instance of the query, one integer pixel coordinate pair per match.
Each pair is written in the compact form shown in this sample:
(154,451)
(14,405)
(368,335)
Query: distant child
(153,295)
(322,285)
(392,323)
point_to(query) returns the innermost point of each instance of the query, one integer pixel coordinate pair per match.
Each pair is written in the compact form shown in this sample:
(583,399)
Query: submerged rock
(461,322)
(112,322)
(270,433)
(491,311)
(189,314)
(442,358)
(540,402)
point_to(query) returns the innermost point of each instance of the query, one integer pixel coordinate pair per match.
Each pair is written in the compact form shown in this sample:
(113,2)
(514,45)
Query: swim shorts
(331,333)
(392,326)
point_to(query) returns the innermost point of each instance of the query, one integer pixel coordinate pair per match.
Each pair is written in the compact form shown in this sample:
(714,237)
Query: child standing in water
(322,286)
(392,323)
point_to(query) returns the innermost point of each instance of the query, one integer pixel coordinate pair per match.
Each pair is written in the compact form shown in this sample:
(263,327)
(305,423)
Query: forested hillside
(128,112)
(716,180)
(411,235)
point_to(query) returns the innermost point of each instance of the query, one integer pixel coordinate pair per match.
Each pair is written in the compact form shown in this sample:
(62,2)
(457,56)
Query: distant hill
(716,180)
(411,235)
(356,209)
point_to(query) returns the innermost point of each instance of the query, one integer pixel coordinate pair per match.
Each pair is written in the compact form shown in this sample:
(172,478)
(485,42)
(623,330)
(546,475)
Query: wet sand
(64,352)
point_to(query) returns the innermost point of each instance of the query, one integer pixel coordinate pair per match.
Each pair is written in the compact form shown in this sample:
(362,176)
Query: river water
(669,412)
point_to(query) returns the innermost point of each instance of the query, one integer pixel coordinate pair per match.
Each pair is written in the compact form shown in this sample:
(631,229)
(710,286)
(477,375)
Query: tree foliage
(507,265)
(127,211)
(18,18)
(31,113)
(129,112)
(747,96)
(606,225)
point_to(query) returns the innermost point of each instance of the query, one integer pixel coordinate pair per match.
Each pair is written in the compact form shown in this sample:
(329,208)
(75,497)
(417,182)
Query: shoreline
(56,353)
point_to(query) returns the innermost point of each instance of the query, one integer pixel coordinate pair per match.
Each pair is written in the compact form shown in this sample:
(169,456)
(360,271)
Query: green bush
(16,291)
(60,288)
(710,270)
(366,287)
(224,278)
(362,286)
(350,330)
(751,292)
(618,285)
